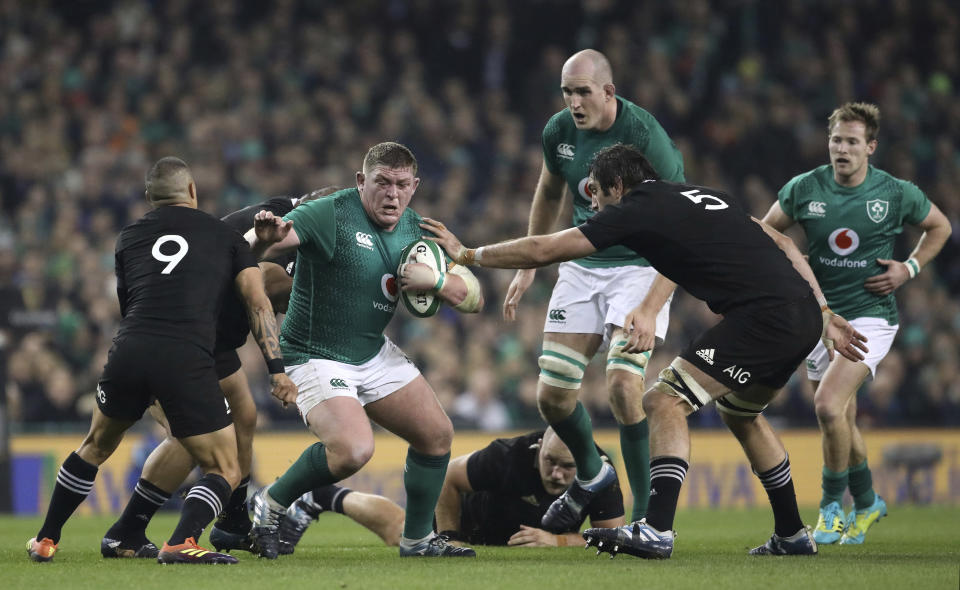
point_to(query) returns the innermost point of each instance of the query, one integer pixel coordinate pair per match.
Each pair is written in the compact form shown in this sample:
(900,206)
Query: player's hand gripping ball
(422,304)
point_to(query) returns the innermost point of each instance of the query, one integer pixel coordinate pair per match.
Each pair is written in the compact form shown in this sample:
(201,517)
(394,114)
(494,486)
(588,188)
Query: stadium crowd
(266,99)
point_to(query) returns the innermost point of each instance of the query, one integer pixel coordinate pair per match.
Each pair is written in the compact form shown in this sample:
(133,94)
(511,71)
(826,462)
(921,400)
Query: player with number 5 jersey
(703,241)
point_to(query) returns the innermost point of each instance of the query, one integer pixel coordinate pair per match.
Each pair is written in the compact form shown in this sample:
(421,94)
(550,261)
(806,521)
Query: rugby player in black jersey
(169,464)
(174,267)
(773,314)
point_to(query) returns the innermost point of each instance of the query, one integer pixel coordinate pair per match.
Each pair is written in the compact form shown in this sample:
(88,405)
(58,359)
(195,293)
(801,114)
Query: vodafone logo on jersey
(584,189)
(843,241)
(388,284)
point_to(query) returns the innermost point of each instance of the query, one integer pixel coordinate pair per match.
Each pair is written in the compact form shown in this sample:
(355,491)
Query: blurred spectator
(272,98)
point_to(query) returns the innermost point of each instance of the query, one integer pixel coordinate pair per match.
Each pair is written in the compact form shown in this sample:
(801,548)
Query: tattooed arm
(263,326)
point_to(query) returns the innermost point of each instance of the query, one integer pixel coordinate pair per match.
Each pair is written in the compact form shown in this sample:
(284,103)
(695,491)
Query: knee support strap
(676,382)
(731,404)
(561,366)
(632,362)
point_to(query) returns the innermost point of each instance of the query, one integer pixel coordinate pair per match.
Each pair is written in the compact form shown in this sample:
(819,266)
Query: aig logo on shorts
(364,240)
(338,383)
(557,315)
(739,375)
(843,241)
(101,396)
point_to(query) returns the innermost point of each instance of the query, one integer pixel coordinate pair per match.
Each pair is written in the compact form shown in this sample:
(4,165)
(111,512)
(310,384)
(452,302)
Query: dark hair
(624,162)
(866,113)
(391,155)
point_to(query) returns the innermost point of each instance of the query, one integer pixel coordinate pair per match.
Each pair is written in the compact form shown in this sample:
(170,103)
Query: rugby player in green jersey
(851,213)
(345,292)
(593,294)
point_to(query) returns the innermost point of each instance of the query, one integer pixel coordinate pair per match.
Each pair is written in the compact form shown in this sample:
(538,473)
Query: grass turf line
(915,547)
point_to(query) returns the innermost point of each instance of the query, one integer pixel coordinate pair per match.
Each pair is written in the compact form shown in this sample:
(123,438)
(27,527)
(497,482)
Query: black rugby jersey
(233,326)
(174,266)
(703,240)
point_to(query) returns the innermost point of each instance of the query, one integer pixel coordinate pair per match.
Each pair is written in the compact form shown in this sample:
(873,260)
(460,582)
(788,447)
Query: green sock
(861,486)
(422,479)
(576,432)
(834,484)
(308,472)
(635,446)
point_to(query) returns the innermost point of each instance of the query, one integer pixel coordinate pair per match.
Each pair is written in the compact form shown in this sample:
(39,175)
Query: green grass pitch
(914,548)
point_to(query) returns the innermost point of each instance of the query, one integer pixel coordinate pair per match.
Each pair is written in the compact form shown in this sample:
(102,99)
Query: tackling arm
(263,326)
(271,236)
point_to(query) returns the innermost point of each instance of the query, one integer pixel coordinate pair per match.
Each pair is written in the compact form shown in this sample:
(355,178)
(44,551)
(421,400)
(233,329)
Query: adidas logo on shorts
(706,354)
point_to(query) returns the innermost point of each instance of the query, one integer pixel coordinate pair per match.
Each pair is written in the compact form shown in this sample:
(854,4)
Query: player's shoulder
(516,444)
(807,182)
(886,182)
(561,123)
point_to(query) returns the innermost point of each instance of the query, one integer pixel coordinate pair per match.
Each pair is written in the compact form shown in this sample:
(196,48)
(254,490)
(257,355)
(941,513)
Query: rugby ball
(422,304)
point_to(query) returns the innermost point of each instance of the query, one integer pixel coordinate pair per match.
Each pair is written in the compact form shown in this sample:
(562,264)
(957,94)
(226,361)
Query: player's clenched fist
(282,388)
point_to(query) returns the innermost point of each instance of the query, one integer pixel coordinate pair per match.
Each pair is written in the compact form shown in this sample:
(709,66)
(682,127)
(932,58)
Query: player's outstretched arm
(455,484)
(271,236)
(263,326)
(936,231)
(528,252)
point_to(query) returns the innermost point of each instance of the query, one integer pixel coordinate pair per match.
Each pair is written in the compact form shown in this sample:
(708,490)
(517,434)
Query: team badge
(877,210)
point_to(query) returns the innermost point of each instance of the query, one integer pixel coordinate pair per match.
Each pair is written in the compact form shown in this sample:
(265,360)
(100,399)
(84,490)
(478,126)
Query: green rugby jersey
(848,229)
(344,289)
(568,151)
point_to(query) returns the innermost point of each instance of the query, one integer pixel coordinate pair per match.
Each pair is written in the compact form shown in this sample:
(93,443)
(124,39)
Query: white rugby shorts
(879,335)
(595,300)
(321,379)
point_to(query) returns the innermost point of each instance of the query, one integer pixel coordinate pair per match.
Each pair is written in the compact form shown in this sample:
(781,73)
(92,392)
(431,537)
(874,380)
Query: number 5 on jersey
(693,195)
(173,259)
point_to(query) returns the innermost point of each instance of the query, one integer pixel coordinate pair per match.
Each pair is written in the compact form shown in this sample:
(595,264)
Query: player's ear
(360,179)
(609,90)
(192,189)
(871,147)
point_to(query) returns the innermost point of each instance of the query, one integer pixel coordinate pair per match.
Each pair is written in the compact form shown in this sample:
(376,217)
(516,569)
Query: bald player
(594,294)
(174,267)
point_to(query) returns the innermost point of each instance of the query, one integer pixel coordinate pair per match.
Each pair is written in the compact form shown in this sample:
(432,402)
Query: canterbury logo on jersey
(706,354)
(817,208)
(365,240)
(565,151)
(557,315)
(338,384)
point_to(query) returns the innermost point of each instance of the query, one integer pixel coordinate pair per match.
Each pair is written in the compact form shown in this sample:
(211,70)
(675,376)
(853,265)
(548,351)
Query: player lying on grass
(773,314)
(494,496)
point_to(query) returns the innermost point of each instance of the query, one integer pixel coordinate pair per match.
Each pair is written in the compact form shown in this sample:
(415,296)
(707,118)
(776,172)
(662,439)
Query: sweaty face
(849,151)
(386,193)
(556,465)
(585,99)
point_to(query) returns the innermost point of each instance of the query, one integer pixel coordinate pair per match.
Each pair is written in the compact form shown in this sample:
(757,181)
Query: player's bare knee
(625,392)
(828,411)
(345,460)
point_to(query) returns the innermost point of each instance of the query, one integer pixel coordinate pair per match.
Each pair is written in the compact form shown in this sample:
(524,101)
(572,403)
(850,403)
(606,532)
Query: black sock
(144,503)
(783,499)
(203,504)
(74,482)
(235,518)
(666,477)
(331,497)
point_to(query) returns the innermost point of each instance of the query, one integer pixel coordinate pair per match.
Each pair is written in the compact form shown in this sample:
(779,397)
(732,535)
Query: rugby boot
(123,548)
(266,526)
(190,552)
(637,538)
(226,541)
(860,521)
(296,520)
(829,525)
(42,550)
(800,543)
(566,512)
(436,546)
